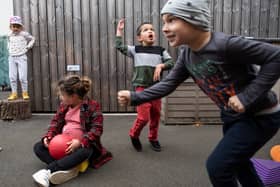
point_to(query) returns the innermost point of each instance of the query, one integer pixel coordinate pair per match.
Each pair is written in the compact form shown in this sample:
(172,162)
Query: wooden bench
(189,105)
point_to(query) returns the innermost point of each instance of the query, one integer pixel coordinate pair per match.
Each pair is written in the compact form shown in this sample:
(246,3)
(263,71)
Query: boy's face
(177,31)
(16,28)
(147,35)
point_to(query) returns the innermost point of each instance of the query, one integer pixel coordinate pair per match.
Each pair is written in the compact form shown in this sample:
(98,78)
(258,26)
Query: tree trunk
(17,109)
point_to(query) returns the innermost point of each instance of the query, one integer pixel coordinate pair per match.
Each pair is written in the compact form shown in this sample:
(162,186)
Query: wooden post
(17,109)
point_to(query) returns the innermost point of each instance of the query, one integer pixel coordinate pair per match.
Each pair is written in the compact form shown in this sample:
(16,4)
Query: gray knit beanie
(195,12)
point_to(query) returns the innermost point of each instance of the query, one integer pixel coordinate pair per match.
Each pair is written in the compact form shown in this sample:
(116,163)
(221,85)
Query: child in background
(149,62)
(223,66)
(82,119)
(19,42)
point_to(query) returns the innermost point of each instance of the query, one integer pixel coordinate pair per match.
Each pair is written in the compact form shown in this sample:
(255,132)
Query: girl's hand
(157,72)
(46,142)
(235,104)
(124,97)
(120,27)
(73,145)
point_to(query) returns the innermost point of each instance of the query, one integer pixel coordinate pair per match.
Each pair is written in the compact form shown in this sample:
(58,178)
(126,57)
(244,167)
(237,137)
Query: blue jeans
(244,135)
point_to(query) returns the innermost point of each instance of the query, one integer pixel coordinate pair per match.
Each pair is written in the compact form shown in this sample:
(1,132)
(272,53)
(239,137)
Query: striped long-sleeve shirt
(146,58)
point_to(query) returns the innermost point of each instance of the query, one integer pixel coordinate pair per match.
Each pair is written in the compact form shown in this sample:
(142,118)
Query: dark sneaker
(102,159)
(136,144)
(155,145)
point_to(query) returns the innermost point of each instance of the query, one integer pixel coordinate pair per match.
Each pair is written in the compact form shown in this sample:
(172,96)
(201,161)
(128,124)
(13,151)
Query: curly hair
(74,84)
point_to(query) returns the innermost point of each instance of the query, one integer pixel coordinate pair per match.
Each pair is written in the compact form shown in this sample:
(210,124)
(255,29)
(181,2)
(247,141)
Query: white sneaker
(60,177)
(42,177)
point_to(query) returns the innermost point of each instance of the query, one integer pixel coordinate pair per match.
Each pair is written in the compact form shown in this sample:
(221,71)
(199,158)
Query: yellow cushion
(83,166)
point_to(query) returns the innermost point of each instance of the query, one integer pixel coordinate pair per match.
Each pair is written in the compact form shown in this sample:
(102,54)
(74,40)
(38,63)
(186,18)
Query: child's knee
(213,166)
(218,168)
(143,120)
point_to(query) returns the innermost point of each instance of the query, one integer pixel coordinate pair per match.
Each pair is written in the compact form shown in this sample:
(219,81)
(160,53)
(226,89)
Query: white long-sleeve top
(19,43)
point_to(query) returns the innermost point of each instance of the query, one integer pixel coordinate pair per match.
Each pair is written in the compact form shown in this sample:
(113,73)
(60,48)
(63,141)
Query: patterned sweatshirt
(18,44)
(223,68)
(145,60)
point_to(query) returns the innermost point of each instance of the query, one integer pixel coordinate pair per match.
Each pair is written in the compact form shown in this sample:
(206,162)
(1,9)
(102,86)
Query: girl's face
(147,35)
(70,100)
(177,31)
(15,28)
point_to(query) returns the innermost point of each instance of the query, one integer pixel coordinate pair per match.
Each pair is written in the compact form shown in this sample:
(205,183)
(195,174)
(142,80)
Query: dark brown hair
(139,28)
(74,84)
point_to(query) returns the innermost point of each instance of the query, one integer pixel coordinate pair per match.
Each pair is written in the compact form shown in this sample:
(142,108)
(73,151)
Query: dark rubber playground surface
(181,163)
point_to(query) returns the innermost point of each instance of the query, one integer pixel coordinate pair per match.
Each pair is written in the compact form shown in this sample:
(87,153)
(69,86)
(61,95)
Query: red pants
(147,112)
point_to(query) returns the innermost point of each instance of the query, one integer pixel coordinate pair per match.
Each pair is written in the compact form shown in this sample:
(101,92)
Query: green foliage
(4,64)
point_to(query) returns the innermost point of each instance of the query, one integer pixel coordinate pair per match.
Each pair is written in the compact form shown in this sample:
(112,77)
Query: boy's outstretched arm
(118,42)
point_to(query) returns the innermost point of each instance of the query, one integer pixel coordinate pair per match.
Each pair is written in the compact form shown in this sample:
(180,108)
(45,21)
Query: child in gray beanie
(223,67)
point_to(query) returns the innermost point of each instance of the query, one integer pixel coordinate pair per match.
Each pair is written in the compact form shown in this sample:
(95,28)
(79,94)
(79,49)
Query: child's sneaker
(136,144)
(25,95)
(42,177)
(60,177)
(12,96)
(155,145)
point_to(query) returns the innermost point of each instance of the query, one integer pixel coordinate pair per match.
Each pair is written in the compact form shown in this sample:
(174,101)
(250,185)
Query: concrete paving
(181,163)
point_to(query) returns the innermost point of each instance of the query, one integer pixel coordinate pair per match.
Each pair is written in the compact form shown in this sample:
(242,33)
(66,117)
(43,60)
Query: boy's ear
(139,38)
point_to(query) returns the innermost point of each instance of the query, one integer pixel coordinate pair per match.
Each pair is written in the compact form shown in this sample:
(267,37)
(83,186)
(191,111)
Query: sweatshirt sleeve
(175,77)
(124,49)
(55,126)
(241,50)
(30,40)
(95,125)
(167,60)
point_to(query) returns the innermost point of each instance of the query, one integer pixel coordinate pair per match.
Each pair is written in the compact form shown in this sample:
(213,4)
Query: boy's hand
(124,97)
(157,72)
(120,27)
(235,104)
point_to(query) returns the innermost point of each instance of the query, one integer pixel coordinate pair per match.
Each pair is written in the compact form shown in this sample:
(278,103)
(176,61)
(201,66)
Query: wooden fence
(82,32)
(256,18)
